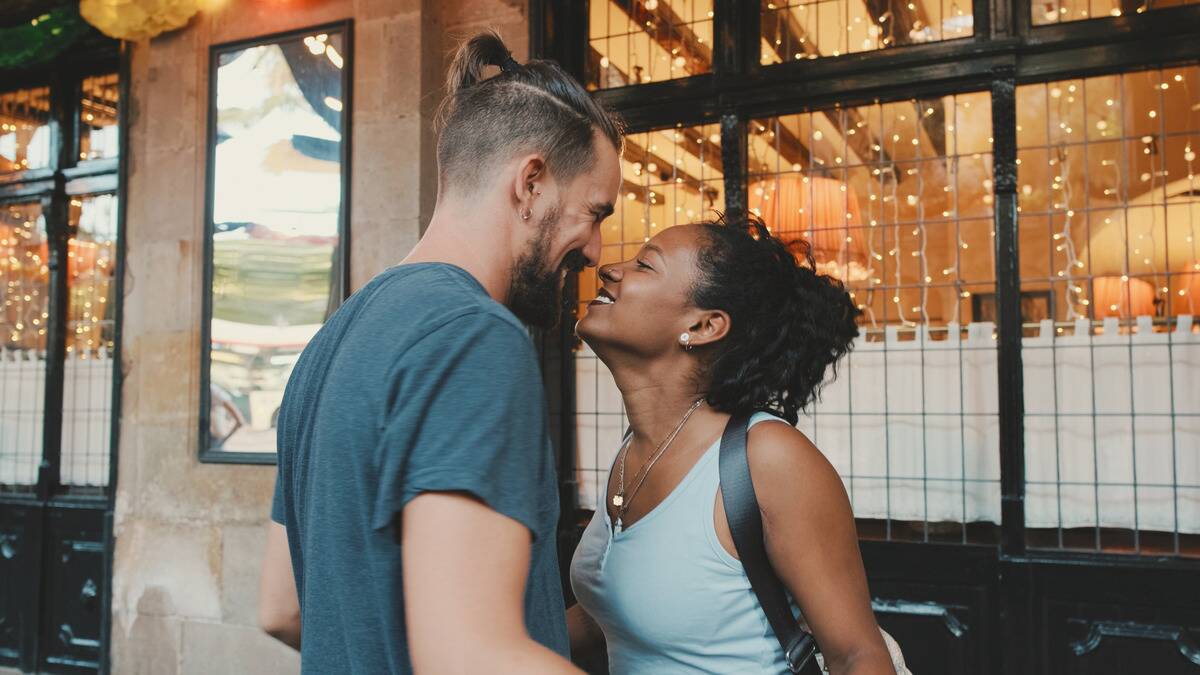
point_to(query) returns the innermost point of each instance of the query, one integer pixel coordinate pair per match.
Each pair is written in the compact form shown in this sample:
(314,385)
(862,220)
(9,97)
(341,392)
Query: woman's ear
(711,326)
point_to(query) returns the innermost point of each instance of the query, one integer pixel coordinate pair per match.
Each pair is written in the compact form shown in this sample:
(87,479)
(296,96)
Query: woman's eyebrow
(656,249)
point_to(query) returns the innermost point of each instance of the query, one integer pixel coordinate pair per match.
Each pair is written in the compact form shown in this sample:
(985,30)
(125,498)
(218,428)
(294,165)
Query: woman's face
(644,304)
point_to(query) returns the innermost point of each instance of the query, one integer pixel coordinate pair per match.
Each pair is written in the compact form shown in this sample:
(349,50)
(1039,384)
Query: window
(23,285)
(98,137)
(24,130)
(808,29)
(275,250)
(1011,209)
(1109,219)
(895,199)
(640,41)
(1061,11)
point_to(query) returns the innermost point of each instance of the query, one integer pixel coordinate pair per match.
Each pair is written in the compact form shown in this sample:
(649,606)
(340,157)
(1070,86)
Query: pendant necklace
(620,500)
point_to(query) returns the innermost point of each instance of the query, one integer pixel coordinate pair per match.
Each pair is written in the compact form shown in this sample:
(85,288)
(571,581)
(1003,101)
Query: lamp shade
(1185,291)
(821,210)
(1113,296)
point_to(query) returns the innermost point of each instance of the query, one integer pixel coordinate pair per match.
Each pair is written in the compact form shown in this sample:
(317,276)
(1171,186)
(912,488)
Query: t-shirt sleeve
(468,416)
(278,509)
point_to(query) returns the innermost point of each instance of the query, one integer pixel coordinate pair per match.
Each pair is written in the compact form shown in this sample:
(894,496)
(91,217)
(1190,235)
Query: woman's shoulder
(780,455)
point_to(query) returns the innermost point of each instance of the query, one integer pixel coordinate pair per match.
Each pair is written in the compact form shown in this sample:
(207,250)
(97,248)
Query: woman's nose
(610,273)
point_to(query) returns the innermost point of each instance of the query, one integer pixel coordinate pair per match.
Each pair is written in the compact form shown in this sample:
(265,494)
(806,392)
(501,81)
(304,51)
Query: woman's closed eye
(642,265)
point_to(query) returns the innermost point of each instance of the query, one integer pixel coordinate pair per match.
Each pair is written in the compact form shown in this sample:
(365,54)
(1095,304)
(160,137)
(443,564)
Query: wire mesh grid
(810,29)
(1109,211)
(671,177)
(641,41)
(895,199)
(23,296)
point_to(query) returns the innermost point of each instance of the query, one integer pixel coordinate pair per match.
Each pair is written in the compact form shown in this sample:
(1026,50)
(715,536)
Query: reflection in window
(23,295)
(1109,218)
(808,29)
(88,369)
(1060,11)
(640,41)
(276,205)
(98,130)
(895,199)
(24,129)
(671,177)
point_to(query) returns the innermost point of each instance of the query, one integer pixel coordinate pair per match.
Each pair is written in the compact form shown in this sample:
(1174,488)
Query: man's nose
(591,250)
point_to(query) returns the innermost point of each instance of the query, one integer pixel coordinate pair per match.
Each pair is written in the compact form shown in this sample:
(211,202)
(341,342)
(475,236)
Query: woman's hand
(812,544)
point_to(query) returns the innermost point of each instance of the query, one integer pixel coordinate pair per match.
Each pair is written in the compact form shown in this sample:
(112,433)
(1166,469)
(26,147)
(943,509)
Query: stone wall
(189,536)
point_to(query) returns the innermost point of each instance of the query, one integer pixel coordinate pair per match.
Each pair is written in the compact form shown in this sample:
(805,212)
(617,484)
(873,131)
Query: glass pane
(1060,11)
(277,213)
(23,297)
(808,29)
(647,41)
(896,201)
(24,129)
(98,130)
(671,177)
(1109,218)
(88,370)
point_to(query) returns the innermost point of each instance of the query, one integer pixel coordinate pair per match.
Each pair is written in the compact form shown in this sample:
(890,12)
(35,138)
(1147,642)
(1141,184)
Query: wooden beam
(686,41)
(667,172)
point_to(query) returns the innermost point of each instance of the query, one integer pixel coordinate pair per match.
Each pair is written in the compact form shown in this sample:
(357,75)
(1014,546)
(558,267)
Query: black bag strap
(745,524)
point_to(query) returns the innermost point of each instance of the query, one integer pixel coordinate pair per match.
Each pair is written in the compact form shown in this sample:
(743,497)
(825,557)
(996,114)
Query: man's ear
(531,171)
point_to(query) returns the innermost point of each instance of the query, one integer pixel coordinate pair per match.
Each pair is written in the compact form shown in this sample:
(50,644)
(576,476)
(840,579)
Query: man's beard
(535,292)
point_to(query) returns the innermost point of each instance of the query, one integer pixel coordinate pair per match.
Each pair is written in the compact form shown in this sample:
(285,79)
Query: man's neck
(469,239)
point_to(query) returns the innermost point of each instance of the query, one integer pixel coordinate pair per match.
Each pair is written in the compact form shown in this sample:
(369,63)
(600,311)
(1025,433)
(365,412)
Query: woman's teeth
(603,299)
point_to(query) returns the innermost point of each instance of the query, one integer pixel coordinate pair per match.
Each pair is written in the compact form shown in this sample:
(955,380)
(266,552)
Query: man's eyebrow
(601,210)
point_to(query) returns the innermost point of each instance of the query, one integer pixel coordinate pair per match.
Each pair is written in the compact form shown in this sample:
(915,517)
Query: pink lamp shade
(821,210)
(1113,296)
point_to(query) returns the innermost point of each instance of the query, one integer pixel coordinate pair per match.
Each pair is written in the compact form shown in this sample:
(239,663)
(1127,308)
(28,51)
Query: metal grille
(896,201)
(23,296)
(1109,214)
(671,177)
(88,370)
(640,41)
(1062,11)
(810,29)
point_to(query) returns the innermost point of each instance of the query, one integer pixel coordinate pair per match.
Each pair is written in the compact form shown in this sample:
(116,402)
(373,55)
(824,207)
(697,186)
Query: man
(416,501)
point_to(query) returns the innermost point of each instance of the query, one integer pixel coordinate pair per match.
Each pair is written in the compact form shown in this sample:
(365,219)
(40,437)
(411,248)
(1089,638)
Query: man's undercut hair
(535,107)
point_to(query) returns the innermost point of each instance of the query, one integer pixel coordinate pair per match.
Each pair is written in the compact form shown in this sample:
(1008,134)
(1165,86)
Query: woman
(708,320)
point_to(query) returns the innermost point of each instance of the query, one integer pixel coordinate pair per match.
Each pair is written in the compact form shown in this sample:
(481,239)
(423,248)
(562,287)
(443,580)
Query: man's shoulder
(427,297)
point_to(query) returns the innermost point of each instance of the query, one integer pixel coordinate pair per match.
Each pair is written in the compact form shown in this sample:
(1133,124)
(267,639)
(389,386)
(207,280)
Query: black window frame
(1006,50)
(54,186)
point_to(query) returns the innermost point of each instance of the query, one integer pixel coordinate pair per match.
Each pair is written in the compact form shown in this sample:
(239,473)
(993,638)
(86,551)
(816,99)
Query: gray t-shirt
(420,382)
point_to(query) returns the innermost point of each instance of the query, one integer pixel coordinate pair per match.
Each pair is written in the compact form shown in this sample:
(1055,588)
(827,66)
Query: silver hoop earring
(526,214)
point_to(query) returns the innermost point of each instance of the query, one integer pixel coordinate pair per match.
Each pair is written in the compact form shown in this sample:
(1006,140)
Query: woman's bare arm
(812,544)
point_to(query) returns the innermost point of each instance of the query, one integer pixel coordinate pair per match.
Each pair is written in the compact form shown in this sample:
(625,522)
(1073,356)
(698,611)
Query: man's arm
(278,603)
(465,567)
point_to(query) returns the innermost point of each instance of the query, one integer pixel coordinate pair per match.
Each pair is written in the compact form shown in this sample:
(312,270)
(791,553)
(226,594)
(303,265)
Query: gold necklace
(619,500)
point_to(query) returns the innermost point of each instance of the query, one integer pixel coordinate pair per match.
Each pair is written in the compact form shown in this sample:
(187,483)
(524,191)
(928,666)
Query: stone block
(215,648)
(167,569)
(147,645)
(241,561)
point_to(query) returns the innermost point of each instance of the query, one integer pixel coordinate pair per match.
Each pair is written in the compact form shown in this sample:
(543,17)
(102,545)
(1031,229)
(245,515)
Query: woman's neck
(657,396)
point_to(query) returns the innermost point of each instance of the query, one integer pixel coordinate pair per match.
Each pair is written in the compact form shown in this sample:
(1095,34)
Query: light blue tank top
(668,596)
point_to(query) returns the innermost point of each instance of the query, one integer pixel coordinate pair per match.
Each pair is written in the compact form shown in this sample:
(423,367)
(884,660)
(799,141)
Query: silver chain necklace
(619,500)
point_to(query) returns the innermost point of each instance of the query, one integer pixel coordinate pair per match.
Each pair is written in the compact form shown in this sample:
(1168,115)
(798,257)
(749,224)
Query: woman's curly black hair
(788,324)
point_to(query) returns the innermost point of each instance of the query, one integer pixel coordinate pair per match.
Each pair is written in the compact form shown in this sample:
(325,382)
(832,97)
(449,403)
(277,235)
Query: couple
(415,510)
